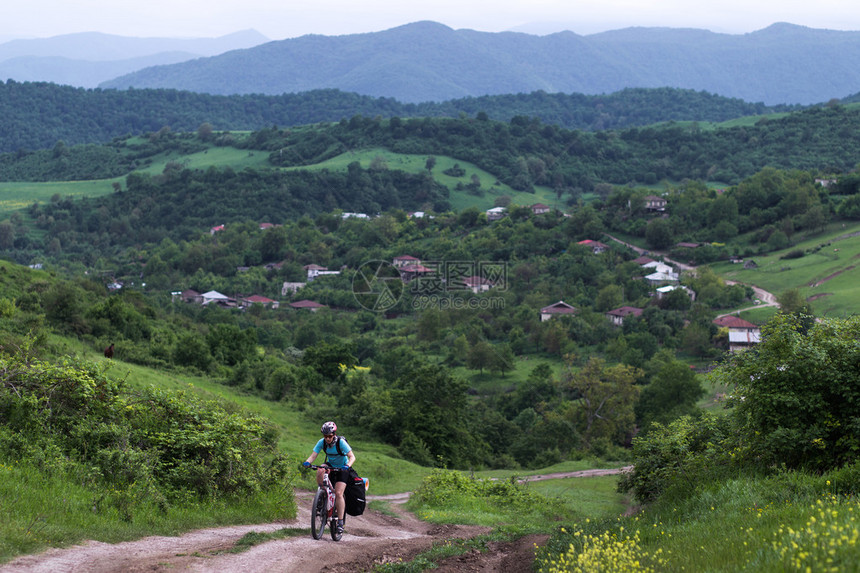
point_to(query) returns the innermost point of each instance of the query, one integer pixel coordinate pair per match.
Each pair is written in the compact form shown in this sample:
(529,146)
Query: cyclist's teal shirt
(336,460)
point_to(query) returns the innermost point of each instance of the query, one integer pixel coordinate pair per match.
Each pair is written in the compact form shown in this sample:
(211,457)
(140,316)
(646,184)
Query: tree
(205,131)
(480,356)
(7,235)
(672,392)
(796,396)
(606,396)
(659,234)
(330,359)
(232,345)
(430,163)
(431,405)
(503,359)
(611,296)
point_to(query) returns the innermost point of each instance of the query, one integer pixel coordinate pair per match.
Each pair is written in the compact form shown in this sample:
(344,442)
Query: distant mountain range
(426,61)
(87,59)
(430,62)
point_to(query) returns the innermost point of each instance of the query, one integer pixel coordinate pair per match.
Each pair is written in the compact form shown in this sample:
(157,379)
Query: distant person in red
(109,351)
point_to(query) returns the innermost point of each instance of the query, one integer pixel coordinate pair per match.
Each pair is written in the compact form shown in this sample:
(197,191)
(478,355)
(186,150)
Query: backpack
(355,494)
(336,444)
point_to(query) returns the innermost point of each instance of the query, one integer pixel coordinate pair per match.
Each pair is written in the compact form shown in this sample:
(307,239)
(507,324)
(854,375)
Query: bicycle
(323,507)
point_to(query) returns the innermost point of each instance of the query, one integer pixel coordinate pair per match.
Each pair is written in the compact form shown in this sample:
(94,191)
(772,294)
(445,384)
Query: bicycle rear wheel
(318,514)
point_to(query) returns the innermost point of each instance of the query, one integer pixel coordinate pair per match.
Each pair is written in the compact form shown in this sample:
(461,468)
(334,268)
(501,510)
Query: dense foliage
(37,115)
(792,408)
(141,446)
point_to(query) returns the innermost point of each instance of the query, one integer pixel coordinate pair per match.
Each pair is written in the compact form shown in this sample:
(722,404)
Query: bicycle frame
(323,508)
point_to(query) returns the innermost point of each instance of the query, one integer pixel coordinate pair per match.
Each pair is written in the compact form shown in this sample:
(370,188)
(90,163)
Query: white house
(496,213)
(664,290)
(742,333)
(658,267)
(478,284)
(661,278)
(213,296)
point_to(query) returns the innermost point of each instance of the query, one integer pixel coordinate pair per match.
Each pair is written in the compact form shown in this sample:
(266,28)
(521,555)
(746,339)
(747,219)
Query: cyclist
(339,455)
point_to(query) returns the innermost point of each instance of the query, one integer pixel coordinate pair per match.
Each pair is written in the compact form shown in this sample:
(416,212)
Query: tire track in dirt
(369,540)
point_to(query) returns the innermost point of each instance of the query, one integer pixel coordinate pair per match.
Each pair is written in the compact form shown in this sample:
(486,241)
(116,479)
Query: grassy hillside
(16,196)
(825,274)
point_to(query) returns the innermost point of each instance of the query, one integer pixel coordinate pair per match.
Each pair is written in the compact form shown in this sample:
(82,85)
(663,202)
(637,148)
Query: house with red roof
(618,315)
(742,333)
(405,261)
(257,299)
(596,246)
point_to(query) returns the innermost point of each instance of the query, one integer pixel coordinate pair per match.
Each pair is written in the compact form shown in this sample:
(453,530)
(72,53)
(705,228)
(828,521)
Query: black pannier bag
(355,493)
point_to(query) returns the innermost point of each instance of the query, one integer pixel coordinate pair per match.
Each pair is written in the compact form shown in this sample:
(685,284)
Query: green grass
(826,275)
(41,510)
(594,497)
(790,522)
(15,196)
(491,187)
(237,159)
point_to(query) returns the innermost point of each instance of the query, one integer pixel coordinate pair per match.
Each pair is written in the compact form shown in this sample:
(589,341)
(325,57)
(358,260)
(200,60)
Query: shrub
(71,417)
(682,456)
(793,254)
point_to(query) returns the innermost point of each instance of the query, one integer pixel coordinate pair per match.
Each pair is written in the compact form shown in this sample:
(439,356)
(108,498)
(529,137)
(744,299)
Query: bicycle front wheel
(335,534)
(318,514)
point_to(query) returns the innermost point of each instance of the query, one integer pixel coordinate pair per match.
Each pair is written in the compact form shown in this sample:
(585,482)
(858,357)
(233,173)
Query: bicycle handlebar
(329,468)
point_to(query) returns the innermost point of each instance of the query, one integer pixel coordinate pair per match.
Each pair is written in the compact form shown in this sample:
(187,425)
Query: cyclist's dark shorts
(341,476)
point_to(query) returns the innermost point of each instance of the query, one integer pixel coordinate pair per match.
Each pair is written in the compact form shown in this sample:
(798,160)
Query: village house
(291,288)
(215,297)
(408,273)
(742,333)
(596,246)
(214,230)
(478,284)
(654,203)
(307,305)
(540,209)
(658,267)
(496,213)
(560,308)
(405,261)
(659,278)
(190,295)
(315,271)
(618,315)
(643,260)
(257,299)
(665,290)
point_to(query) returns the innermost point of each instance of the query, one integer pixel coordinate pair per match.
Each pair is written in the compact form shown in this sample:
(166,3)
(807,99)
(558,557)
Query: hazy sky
(279,19)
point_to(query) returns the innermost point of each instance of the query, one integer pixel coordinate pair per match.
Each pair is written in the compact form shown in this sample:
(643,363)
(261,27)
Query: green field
(15,196)
(237,159)
(827,274)
(491,188)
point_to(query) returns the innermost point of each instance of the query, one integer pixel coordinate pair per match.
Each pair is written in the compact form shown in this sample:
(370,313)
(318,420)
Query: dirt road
(371,539)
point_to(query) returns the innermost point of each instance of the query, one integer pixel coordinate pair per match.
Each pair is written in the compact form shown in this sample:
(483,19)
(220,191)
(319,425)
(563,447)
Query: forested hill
(38,115)
(522,153)
(427,61)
